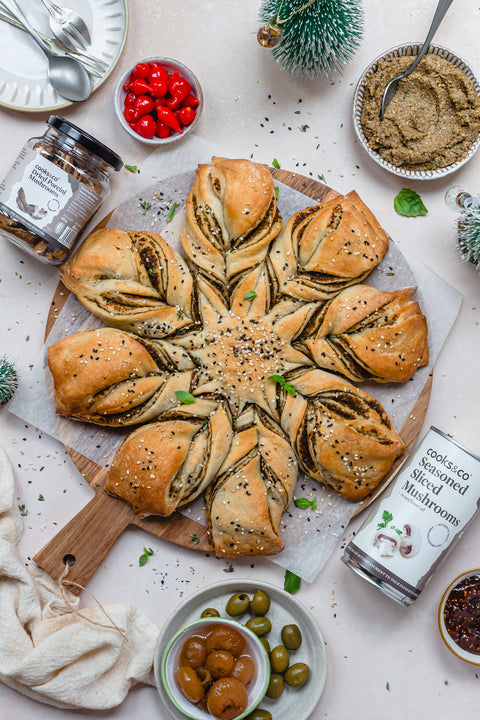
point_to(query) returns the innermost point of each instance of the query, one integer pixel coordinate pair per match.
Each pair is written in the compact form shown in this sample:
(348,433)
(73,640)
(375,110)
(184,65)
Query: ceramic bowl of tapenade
(459,617)
(432,126)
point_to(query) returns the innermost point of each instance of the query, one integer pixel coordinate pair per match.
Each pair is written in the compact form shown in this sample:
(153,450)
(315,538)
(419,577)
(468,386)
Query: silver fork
(68,27)
(94,65)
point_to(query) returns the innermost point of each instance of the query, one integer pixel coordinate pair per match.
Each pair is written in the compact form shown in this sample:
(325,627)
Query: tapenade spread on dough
(433,119)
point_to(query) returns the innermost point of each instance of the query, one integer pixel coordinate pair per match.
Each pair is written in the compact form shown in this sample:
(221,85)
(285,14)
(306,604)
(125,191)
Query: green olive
(265,644)
(275,686)
(259,625)
(259,714)
(210,612)
(297,675)
(260,604)
(238,604)
(279,659)
(291,637)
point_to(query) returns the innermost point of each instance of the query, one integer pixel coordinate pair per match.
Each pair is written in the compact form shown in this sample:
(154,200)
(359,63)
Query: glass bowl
(463,654)
(410,49)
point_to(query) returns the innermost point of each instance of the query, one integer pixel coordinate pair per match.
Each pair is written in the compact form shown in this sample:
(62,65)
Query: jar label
(46,198)
(421,515)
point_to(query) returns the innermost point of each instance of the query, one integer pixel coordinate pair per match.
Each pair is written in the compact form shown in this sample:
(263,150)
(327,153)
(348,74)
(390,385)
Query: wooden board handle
(86,539)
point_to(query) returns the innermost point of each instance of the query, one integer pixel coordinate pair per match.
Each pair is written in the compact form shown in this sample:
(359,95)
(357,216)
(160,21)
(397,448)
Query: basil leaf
(291,582)
(250,295)
(278,378)
(131,168)
(275,163)
(409,203)
(185,397)
(303,503)
(172,211)
(290,389)
(142,559)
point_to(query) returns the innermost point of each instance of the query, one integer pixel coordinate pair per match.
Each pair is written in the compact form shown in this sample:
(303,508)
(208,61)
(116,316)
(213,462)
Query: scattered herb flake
(27,338)
(277,191)
(171,212)
(22,509)
(291,582)
(42,468)
(131,168)
(180,314)
(250,295)
(304,128)
(230,568)
(321,177)
(144,556)
(409,203)
(185,397)
(388,686)
(195,538)
(275,163)
(145,205)
(41,498)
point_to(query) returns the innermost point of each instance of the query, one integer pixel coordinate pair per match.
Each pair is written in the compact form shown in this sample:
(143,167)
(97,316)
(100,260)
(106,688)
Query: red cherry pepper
(129,99)
(179,88)
(186,115)
(160,102)
(158,88)
(190,101)
(143,105)
(165,115)
(141,70)
(163,131)
(158,72)
(138,86)
(129,114)
(146,126)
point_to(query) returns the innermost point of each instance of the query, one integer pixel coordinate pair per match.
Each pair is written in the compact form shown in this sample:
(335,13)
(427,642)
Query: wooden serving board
(88,537)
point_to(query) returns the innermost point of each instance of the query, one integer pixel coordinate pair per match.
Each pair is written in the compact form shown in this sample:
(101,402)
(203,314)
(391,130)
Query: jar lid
(88,142)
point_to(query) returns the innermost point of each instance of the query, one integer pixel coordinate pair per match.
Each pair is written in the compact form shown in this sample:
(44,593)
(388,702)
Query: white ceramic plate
(400,51)
(285,609)
(23,66)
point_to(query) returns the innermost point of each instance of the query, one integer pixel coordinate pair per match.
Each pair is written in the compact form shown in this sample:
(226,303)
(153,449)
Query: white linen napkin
(47,651)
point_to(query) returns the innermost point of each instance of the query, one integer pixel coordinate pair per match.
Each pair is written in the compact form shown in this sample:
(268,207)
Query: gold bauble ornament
(270,35)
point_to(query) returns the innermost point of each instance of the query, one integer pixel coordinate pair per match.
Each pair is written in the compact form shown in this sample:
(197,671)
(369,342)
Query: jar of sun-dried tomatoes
(53,189)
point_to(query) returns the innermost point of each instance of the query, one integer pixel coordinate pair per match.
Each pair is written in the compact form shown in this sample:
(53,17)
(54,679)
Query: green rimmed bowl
(166,664)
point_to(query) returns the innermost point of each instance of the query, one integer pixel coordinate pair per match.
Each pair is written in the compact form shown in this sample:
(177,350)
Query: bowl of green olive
(284,628)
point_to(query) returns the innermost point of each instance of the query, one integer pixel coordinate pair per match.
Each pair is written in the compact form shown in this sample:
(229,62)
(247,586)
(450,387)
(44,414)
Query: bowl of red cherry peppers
(158,101)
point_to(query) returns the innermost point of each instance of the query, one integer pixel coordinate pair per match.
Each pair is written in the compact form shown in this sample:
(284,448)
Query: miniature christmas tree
(469,231)
(8,379)
(311,38)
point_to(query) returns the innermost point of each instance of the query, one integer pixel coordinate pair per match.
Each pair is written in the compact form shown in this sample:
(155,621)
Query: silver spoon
(391,89)
(68,26)
(66,75)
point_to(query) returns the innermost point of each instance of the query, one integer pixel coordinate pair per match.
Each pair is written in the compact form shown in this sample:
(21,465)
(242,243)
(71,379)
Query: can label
(420,516)
(46,199)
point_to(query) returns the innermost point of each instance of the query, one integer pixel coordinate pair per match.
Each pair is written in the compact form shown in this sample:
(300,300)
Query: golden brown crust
(328,247)
(232,217)
(133,281)
(342,436)
(168,463)
(370,334)
(108,377)
(254,486)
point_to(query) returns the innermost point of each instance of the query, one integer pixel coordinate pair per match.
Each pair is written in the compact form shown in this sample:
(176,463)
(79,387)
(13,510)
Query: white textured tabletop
(383,659)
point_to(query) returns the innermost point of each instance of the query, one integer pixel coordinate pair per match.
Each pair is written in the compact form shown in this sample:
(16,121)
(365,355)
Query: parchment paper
(310,536)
